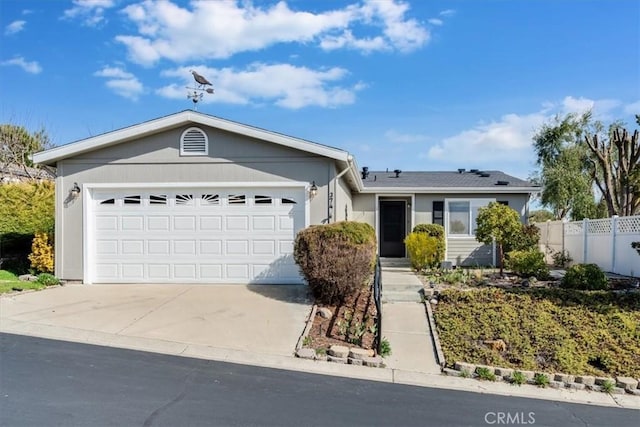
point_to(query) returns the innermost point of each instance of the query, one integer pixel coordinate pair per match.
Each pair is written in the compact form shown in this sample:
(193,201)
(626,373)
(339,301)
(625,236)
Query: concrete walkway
(404,320)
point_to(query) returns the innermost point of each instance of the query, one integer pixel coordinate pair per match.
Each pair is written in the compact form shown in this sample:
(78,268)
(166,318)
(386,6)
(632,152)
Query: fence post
(614,233)
(585,238)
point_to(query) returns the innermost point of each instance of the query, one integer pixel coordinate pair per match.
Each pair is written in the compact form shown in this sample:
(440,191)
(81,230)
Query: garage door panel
(184,223)
(237,247)
(107,223)
(132,223)
(237,223)
(107,247)
(158,223)
(158,247)
(180,237)
(184,247)
(211,223)
(159,272)
(210,247)
(133,271)
(133,247)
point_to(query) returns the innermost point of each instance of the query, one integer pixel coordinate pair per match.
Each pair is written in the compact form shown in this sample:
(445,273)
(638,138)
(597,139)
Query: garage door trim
(88,213)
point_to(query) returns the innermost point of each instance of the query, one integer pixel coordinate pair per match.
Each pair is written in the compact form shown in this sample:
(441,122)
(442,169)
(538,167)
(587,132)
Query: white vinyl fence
(606,242)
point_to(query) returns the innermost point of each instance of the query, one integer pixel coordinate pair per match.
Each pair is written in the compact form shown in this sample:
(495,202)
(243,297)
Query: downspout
(335,188)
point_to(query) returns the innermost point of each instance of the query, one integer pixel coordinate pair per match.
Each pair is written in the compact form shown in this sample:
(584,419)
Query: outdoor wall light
(313,190)
(75,191)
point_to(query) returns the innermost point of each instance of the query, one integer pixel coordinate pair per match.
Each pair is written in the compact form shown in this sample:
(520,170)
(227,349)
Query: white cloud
(91,12)
(601,109)
(633,108)
(435,21)
(14,27)
(405,138)
(220,29)
(31,67)
(447,12)
(121,82)
(285,85)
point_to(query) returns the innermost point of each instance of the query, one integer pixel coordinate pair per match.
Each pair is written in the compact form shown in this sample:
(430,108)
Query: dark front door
(393,223)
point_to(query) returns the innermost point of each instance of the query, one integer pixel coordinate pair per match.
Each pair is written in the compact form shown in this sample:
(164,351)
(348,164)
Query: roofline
(51,156)
(456,190)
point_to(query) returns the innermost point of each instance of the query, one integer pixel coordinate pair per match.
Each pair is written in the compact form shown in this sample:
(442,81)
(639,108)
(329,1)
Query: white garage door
(230,235)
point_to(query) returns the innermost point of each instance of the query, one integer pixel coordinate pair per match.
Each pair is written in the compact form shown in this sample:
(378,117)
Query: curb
(434,335)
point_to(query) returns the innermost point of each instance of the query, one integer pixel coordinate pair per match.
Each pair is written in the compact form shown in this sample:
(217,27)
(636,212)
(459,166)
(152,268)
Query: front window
(462,216)
(459,218)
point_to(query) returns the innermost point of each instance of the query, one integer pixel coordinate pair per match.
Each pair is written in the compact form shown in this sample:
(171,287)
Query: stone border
(336,353)
(307,327)
(434,334)
(556,380)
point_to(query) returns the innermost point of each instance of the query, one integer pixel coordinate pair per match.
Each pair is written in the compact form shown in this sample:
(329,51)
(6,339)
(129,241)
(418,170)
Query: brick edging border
(434,335)
(622,385)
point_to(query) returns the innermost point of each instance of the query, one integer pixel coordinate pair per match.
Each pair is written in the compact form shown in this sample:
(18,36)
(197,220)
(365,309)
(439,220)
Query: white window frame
(200,153)
(473,203)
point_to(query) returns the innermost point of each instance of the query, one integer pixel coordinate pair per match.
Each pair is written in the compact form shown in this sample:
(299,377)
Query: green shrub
(422,250)
(527,263)
(527,238)
(41,256)
(486,374)
(608,386)
(385,348)
(47,279)
(518,378)
(584,277)
(27,207)
(336,259)
(541,380)
(437,231)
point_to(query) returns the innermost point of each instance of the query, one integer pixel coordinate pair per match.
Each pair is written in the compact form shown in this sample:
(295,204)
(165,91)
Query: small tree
(498,223)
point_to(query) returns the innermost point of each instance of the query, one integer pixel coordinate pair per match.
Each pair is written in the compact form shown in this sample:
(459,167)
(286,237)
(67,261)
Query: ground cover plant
(545,329)
(9,283)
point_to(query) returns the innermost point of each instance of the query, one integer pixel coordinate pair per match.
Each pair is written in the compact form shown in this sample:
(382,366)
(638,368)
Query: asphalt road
(51,383)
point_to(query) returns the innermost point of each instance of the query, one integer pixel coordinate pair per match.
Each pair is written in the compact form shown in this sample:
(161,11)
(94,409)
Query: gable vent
(194,142)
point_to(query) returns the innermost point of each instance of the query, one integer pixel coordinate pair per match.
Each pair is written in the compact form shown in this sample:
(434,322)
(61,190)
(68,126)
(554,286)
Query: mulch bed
(353,323)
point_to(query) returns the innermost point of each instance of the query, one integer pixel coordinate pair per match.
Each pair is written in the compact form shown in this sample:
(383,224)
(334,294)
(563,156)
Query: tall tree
(17,145)
(567,184)
(615,161)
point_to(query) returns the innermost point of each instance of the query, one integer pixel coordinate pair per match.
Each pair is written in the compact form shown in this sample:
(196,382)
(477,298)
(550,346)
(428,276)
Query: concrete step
(400,288)
(390,296)
(395,262)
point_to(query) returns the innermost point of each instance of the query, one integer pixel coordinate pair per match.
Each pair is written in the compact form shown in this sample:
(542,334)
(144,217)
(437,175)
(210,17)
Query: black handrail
(377,297)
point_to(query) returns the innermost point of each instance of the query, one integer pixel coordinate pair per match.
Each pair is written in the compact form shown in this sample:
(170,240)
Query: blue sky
(415,85)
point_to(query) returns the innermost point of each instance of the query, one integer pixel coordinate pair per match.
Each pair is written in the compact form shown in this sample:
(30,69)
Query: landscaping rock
(339,351)
(635,392)
(375,361)
(504,372)
(617,390)
(556,384)
(360,353)
(433,301)
(428,293)
(451,372)
(576,386)
(627,383)
(528,374)
(324,312)
(462,366)
(337,359)
(306,353)
(602,380)
(357,362)
(585,379)
(594,387)
(565,378)
(498,345)
(27,278)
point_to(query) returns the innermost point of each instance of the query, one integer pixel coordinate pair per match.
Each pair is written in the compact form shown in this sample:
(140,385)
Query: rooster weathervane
(199,88)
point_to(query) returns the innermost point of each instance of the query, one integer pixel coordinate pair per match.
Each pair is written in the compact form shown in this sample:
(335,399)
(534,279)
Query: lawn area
(549,330)
(9,282)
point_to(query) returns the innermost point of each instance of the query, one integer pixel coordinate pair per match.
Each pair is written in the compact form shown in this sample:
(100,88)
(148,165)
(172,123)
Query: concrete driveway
(179,319)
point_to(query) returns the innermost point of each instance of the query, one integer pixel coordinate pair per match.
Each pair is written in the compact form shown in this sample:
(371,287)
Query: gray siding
(364,208)
(156,159)
(468,252)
